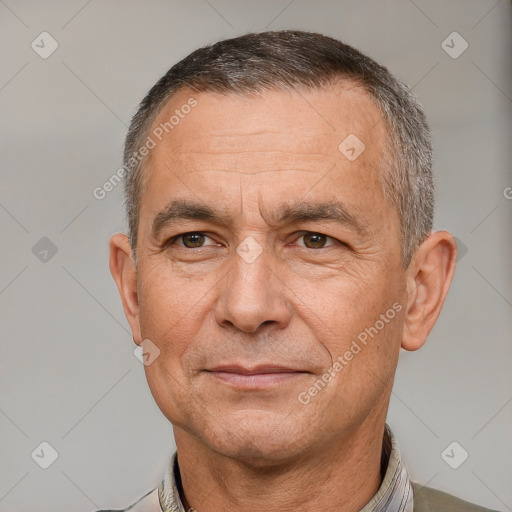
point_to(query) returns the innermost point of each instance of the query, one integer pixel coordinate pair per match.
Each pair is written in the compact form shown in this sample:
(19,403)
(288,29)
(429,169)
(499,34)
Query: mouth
(259,377)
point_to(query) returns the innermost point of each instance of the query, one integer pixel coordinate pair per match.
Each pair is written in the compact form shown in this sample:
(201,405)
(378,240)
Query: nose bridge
(251,294)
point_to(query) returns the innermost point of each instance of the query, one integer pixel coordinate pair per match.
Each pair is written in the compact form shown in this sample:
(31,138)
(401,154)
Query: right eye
(190,240)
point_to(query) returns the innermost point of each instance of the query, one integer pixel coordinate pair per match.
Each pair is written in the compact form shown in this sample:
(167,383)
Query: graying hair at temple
(295,60)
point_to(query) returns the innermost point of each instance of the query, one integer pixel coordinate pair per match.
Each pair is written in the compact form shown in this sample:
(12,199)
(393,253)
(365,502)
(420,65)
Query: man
(280,253)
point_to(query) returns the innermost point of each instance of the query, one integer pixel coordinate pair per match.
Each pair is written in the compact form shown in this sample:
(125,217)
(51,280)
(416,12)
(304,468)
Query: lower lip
(259,380)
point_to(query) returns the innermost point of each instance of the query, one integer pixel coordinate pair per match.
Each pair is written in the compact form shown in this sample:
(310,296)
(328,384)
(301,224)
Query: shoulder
(432,500)
(148,503)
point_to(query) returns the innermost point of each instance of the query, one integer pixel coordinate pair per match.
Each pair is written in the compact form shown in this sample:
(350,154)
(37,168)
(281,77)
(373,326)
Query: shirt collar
(395,493)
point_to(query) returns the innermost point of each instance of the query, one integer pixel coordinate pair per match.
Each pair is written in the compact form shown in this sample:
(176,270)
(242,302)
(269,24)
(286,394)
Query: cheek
(168,302)
(368,351)
(341,307)
(171,313)
(359,323)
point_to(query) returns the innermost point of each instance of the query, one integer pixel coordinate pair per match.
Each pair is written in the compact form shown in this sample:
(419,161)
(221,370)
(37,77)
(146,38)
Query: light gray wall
(68,375)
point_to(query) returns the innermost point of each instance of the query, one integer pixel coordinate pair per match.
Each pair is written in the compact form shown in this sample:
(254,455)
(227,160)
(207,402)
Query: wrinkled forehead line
(337,88)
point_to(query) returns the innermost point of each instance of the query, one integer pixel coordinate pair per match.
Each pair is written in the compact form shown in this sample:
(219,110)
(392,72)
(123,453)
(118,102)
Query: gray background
(68,375)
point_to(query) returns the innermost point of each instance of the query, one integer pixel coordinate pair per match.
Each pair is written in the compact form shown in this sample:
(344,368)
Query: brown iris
(316,240)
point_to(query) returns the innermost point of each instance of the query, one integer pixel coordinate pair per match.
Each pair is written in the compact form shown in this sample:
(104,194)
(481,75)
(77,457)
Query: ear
(124,273)
(429,276)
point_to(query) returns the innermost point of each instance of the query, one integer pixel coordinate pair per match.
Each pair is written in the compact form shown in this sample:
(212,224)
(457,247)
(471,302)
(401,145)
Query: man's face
(271,277)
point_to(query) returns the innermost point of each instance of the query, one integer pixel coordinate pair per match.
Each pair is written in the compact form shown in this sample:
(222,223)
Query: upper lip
(254,370)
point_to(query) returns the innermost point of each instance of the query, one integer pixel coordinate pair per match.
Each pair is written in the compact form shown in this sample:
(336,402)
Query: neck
(340,476)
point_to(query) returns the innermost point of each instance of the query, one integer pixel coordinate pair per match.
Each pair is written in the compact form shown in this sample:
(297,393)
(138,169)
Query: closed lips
(255,371)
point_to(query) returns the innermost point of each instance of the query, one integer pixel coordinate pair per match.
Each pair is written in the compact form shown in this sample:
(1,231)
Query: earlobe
(428,280)
(124,273)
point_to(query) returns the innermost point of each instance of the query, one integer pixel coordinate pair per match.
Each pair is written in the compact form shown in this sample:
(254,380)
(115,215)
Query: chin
(259,438)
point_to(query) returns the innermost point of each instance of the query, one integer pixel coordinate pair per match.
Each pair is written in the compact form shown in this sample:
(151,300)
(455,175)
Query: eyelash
(172,240)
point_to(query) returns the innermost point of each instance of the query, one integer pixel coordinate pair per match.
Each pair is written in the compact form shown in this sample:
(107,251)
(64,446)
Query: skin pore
(264,174)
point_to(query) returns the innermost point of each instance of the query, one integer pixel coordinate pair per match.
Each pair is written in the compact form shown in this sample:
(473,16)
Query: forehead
(287,141)
(305,121)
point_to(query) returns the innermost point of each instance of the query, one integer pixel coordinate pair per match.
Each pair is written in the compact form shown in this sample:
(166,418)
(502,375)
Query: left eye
(315,240)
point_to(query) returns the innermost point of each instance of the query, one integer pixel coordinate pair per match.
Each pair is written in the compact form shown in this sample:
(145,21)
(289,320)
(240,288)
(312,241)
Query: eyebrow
(303,211)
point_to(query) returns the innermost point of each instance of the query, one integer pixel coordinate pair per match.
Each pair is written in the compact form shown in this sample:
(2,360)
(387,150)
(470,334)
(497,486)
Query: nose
(253,294)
